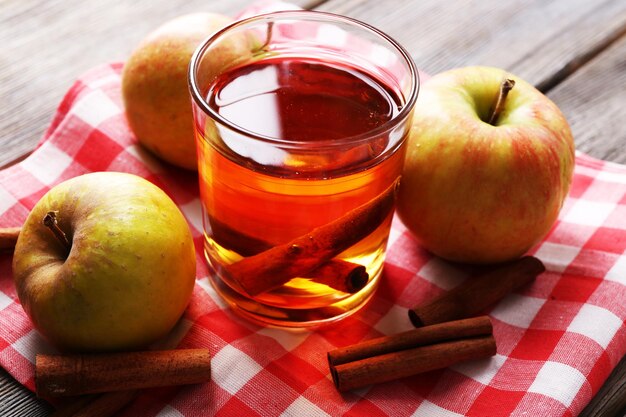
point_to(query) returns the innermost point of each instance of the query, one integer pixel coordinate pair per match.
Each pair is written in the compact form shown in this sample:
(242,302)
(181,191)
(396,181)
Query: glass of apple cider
(300,119)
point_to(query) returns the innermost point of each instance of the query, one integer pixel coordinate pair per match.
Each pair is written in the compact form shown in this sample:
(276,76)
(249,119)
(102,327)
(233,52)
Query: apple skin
(154,86)
(476,193)
(130,271)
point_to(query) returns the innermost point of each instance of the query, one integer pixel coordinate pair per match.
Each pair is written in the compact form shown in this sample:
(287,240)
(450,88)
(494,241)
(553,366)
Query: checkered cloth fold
(558,339)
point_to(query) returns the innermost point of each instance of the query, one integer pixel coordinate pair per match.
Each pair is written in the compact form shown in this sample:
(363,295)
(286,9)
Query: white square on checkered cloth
(231,369)
(5,301)
(395,321)
(586,323)
(617,272)
(208,288)
(6,200)
(107,81)
(442,274)
(589,213)
(31,344)
(145,157)
(555,256)
(288,340)
(395,232)
(611,177)
(193,213)
(428,409)
(482,370)
(95,108)
(518,310)
(558,381)
(303,407)
(169,411)
(47,164)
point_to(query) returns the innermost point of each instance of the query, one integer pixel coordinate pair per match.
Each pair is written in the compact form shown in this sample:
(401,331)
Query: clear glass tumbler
(301,119)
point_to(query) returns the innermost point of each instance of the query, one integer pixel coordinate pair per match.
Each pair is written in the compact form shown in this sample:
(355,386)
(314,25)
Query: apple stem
(506,86)
(268,36)
(50,221)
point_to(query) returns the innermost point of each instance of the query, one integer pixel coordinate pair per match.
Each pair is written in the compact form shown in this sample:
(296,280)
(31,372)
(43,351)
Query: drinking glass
(301,119)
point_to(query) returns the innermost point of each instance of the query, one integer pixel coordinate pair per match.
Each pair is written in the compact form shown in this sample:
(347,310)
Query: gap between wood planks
(578,61)
(568,68)
(305,4)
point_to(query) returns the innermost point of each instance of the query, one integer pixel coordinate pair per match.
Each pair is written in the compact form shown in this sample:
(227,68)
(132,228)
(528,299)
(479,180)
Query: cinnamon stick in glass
(476,294)
(274,267)
(411,353)
(337,273)
(232,239)
(66,375)
(341,275)
(8,237)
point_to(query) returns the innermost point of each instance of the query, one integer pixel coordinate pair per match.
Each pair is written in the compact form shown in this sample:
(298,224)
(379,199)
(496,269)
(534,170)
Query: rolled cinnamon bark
(341,275)
(66,375)
(476,294)
(454,330)
(274,267)
(404,363)
(337,273)
(242,243)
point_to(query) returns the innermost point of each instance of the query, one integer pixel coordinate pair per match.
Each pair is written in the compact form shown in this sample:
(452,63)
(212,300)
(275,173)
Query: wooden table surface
(572,50)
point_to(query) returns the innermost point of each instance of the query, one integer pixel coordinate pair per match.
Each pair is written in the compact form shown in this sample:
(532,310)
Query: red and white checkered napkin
(557,339)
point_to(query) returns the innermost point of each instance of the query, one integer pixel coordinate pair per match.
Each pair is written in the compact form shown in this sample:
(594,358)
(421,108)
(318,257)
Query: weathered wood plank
(542,42)
(16,401)
(532,38)
(594,102)
(46,45)
(610,401)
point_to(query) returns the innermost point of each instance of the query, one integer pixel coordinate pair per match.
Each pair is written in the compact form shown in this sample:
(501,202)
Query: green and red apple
(111,267)
(154,86)
(478,191)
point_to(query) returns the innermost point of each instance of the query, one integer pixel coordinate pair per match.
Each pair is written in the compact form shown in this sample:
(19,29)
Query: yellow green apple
(479,190)
(105,261)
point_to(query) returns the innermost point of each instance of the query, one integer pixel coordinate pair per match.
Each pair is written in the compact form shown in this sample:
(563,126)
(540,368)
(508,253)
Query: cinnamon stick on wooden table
(416,351)
(476,294)
(274,267)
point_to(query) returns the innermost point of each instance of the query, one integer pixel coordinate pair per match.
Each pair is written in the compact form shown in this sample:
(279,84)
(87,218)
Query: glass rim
(286,14)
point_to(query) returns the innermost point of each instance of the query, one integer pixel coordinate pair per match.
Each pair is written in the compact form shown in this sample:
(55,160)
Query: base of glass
(292,316)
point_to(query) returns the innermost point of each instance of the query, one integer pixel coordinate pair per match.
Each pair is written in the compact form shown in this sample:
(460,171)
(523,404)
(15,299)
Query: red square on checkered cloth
(558,339)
